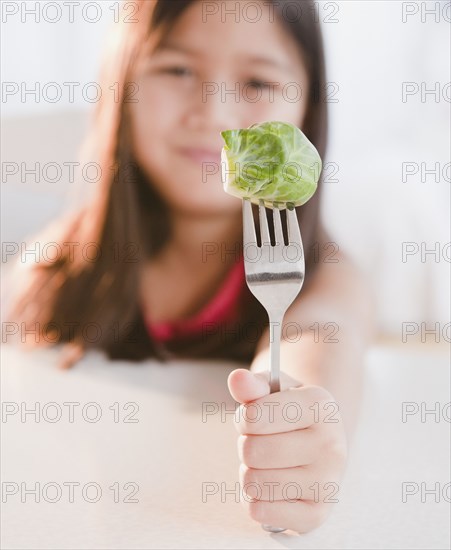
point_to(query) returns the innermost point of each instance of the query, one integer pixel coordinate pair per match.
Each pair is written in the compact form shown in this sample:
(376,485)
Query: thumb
(245,385)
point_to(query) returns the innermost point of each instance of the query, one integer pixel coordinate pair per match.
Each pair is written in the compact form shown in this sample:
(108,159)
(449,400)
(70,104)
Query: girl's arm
(300,436)
(334,322)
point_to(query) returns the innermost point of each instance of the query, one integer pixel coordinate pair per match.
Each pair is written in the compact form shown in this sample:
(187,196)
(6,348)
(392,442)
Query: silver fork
(274,275)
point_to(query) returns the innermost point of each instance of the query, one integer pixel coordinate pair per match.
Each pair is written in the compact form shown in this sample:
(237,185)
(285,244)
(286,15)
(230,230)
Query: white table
(170,452)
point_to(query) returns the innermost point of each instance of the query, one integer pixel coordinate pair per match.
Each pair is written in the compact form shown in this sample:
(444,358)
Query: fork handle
(275,331)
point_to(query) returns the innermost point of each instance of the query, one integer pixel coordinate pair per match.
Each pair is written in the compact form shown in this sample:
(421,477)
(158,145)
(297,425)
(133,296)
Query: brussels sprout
(273,161)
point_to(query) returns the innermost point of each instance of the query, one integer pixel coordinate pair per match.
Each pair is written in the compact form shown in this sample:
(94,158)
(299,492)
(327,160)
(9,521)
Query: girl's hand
(292,448)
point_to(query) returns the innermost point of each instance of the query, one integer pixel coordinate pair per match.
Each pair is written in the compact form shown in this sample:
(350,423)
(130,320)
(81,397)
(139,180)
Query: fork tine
(278,233)
(249,236)
(294,233)
(264,231)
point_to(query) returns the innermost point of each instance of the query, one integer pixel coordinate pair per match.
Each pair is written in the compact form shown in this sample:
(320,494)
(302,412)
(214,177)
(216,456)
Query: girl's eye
(177,71)
(257,84)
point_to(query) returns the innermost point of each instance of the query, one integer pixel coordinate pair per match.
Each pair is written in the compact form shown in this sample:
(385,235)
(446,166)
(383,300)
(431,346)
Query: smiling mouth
(200,156)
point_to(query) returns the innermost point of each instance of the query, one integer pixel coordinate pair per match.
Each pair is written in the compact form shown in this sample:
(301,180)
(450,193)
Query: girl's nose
(216,106)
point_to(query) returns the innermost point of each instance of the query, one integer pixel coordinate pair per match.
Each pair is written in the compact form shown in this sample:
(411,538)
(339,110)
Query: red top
(222,308)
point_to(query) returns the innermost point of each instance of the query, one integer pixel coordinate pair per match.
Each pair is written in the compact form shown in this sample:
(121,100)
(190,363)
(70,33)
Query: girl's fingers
(245,385)
(292,449)
(300,516)
(301,483)
(288,411)
(71,354)
(284,450)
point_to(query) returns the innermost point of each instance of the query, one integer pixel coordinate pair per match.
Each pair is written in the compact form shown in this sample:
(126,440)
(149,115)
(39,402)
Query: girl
(168,278)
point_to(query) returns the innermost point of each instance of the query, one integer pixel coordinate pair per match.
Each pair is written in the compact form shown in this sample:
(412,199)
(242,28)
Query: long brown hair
(94,303)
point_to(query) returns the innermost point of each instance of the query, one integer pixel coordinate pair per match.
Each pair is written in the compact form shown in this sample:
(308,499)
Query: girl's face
(208,75)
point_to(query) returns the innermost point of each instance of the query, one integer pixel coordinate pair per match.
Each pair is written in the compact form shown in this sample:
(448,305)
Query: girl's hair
(95,304)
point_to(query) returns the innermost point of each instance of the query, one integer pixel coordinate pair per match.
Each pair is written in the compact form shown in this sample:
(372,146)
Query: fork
(274,276)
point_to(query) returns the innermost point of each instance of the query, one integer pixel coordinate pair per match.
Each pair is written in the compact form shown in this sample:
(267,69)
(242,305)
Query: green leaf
(273,161)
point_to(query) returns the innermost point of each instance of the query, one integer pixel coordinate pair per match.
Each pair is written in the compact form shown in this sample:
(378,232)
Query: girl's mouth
(200,156)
